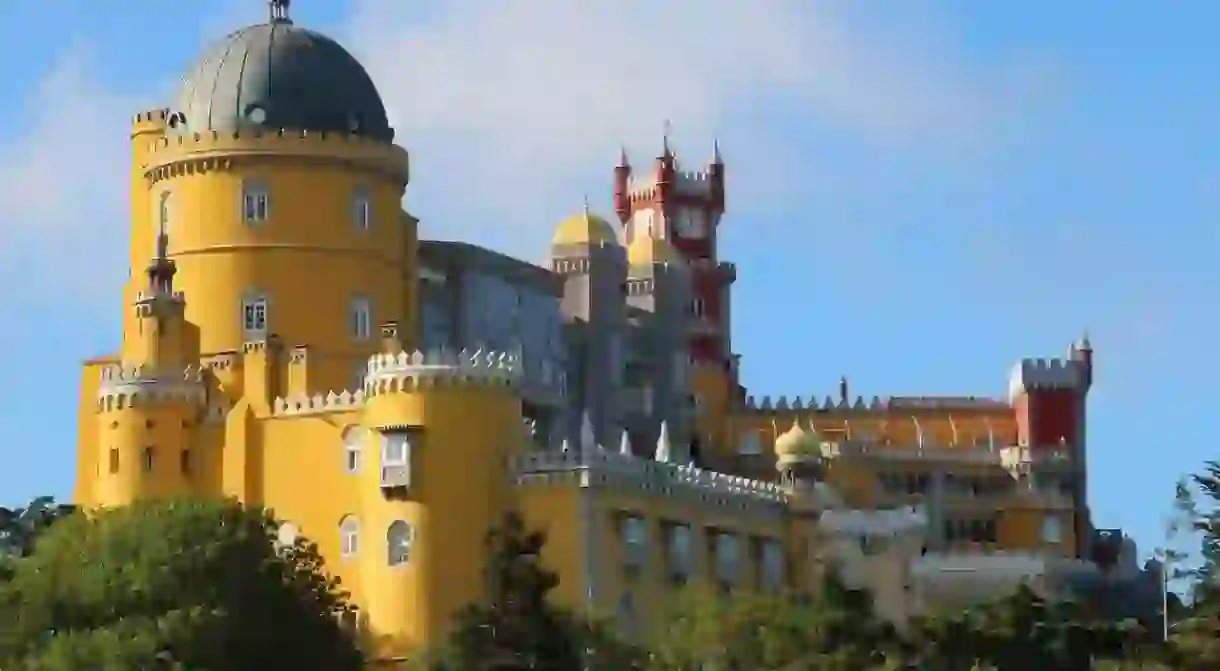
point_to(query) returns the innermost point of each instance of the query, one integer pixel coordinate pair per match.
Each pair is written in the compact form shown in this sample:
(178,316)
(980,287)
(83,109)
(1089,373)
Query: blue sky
(918,198)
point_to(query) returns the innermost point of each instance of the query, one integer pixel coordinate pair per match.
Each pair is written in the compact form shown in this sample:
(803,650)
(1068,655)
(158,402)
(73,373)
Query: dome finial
(666,129)
(279,10)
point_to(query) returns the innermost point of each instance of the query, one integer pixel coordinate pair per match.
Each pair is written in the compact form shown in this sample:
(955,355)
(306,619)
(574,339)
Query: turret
(149,404)
(622,178)
(442,423)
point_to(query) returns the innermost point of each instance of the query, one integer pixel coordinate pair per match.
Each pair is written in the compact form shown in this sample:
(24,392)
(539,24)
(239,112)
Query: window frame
(349,536)
(255,202)
(362,209)
(360,318)
(402,541)
(250,304)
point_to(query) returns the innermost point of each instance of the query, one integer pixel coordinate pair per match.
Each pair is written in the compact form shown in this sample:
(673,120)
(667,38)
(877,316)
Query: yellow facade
(397,462)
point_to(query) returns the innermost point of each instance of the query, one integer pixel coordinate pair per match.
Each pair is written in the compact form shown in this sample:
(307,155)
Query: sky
(919,193)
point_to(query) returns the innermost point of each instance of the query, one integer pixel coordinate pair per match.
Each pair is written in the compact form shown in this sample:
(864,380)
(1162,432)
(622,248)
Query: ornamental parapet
(992,568)
(406,371)
(602,468)
(123,386)
(892,522)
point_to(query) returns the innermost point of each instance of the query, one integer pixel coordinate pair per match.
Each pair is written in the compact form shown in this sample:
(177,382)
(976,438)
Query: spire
(664,452)
(1085,345)
(716,159)
(161,270)
(586,208)
(624,446)
(622,157)
(843,390)
(666,129)
(588,441)
(279,10)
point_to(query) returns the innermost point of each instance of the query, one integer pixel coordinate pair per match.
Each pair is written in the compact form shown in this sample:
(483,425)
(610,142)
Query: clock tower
(684,207)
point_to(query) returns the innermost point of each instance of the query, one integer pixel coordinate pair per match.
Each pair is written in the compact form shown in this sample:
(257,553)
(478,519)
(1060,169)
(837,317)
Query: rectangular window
(772,564)
(634,531)
(395,449)
(728,557)
(751,441)
(362,210)
(148,459)
(696,307)
(254,316)
(255,203)
(114,460)
(679,551)
(184,462)
(361,319)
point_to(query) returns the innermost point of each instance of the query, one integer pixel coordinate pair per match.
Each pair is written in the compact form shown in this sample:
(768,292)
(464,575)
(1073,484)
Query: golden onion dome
(584,229)
(646,250)
(796,444)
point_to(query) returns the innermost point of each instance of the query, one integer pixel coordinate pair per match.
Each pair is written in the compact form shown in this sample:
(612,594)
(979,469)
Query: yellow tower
(276,175)
(148,403)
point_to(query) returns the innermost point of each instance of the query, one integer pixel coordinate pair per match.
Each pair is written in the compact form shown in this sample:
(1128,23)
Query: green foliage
(514,626)
(1025,631)
(20,527)
(200,584)
(1195,636)
(835,629)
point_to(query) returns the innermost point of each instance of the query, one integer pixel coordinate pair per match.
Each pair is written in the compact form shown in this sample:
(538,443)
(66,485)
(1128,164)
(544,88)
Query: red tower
(685,208)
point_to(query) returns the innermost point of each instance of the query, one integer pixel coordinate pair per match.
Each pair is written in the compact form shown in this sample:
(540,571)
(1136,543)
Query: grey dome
(276,75)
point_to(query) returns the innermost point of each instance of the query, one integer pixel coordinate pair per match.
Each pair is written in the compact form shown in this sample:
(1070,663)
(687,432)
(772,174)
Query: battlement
(688,182)
(303,404)
(603,468)
(153,116)
(1031,374)
(891,522)
(124,386)
(406,371)
(352,147)
(766,404)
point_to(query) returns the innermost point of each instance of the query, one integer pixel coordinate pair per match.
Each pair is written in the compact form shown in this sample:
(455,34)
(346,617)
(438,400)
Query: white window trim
(353,447)
(349,536)
(388,439)
(360,318)
(255,202)
(398,548)
(251,300)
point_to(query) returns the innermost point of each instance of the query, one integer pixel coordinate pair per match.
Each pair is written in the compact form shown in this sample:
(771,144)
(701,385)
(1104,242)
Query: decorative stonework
(125,386)
(407,371)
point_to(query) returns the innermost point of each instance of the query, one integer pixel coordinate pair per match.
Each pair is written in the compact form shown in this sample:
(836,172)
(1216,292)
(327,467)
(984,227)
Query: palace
(293,344)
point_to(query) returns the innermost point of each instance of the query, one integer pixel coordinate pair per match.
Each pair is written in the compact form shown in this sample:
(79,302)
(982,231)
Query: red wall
(1044,416)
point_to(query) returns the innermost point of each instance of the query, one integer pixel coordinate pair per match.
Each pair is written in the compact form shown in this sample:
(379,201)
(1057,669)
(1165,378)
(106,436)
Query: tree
(833,629)
(1025,631)
(515,627)
(20,527)
(1196,637)
(190,583)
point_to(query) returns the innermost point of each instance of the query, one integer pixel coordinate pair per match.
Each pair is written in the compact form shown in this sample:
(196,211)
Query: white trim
(254,315)
(255,202)
(362,209)
(400,536)
(349,536)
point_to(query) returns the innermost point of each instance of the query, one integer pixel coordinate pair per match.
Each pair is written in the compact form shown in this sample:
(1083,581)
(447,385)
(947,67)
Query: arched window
(353,442)
(349,536)
(399,538)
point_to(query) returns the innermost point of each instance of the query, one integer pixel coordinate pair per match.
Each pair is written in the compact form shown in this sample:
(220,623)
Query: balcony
(395,476)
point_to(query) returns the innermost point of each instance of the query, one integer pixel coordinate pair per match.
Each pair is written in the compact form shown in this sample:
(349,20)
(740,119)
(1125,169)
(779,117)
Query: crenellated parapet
(1031,374)
(183,153)
(644,188)
(601,468)
(317,404)
(125,386)
(767,404)
(407,371)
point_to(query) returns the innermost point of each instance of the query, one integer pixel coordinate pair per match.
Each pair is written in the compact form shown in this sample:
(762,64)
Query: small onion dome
(584,229)
(646,250)
(797,444)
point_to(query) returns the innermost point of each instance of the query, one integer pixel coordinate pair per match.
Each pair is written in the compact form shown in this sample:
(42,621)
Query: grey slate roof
(299,79)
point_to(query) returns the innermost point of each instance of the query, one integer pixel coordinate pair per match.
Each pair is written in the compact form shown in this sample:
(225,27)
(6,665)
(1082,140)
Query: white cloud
(522,102)
(63,184)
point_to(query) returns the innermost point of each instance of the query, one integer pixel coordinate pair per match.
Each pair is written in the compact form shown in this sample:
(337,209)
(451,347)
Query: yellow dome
(646,250)
(796,443)
(584,229)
